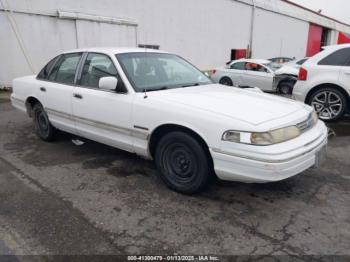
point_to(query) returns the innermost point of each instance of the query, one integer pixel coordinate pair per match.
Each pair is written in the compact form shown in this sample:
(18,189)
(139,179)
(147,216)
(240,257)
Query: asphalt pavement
(59,198)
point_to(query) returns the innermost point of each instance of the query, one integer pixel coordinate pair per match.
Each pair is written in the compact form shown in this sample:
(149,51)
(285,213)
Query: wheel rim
(327,104)
(42,123)
(285,90)
(180,163)
(225,82)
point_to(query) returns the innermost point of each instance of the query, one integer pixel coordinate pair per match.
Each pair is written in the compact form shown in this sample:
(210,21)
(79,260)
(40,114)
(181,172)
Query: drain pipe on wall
(9,14)
(252,20)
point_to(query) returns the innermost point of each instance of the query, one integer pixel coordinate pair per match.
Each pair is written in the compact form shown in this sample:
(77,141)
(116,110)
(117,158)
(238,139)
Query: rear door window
(238,66)
(256,68)
(338,58)
(44,73)
(65,69)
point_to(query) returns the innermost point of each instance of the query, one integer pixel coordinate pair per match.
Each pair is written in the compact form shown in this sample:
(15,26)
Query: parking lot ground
(59,198)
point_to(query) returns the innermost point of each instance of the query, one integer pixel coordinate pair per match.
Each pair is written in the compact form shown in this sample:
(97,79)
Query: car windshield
(149,71)
(273,66)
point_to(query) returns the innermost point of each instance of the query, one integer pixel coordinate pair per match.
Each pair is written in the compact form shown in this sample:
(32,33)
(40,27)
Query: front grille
(306,124)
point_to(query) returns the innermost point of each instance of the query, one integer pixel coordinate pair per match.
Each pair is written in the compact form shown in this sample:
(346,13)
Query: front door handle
(79,96)
(347,73)
(42,89)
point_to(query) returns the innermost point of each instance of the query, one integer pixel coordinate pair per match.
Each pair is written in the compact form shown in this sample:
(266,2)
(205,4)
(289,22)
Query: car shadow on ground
(102,156)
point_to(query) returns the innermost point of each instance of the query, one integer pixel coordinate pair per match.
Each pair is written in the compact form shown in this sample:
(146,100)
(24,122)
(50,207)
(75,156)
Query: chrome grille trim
(306,124)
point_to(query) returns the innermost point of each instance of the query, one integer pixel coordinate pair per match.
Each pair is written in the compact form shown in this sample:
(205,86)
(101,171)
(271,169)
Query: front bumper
(273,164)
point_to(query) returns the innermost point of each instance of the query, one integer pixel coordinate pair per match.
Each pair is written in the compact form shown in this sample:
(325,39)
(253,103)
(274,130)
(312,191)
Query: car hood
(287,70)
(236,103)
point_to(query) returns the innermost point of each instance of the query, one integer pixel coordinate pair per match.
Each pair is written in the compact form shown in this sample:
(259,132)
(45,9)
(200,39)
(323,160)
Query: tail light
(302,74)
(213,72)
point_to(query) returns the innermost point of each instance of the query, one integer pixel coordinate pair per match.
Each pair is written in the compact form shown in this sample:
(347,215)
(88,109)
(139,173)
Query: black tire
(286,87)
(183,163)
(334,95)
(43,127)
(226,81)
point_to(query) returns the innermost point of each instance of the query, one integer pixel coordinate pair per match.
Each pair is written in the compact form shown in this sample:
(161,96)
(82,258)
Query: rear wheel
(183,163)
(226,81)
(43,127)
(329,103)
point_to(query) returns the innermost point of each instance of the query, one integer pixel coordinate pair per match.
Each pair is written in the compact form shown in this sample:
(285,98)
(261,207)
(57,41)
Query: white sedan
(264,74)
(159,106)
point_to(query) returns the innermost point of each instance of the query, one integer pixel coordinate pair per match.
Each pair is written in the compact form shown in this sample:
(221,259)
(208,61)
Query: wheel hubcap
(180,163)
(285,90)
(327,104)
(42,123)
(225,82)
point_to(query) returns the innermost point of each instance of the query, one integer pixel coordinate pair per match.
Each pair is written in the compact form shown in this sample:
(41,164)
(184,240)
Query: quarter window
(95,67)
(64,70)
(338,58)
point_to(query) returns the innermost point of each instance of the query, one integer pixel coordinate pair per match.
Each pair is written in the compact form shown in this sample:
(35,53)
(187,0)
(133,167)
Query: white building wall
(42,36)
(202,31)
(278,35)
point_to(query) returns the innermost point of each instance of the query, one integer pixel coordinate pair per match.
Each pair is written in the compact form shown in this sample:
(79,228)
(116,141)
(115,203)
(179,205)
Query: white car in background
(324,82)
(264,74)
(159,106)
(297,63)
(281,59)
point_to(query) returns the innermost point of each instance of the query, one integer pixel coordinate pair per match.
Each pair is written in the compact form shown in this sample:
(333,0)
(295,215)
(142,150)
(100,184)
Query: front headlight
(264,138)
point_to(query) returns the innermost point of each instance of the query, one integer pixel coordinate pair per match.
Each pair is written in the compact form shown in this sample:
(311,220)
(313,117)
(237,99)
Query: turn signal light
(302,74)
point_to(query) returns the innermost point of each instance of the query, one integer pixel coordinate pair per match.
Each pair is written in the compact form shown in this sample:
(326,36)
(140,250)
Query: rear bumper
(300,91)
(18,103)
(244,168)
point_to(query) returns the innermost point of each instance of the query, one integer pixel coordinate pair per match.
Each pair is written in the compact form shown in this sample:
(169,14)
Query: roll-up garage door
(314,41)
(343,38)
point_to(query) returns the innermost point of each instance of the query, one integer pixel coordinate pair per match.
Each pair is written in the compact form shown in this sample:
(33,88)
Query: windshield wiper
(156,89)
(195,84)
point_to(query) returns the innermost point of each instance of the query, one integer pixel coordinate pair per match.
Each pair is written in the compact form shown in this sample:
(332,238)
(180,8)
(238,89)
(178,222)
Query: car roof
(257,61)
(281,57)
(336,46)
(114,50)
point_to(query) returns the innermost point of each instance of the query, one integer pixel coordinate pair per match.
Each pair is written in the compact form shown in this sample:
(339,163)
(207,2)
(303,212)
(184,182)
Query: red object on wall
(343,38)
(314,41)
(241,53)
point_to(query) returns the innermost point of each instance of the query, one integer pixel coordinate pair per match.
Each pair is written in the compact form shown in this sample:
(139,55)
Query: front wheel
(183,163)
(286,88)
(43,127)
(329,103)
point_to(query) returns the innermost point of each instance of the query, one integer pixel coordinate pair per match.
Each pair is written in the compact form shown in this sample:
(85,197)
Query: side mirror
(108,83)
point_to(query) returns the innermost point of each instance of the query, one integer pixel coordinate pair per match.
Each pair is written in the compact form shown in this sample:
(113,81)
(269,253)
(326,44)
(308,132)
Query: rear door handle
(79,96)
(347,73)
(42,89)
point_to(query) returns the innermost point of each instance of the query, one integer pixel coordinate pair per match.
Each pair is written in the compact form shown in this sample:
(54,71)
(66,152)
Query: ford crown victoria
(159,106)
